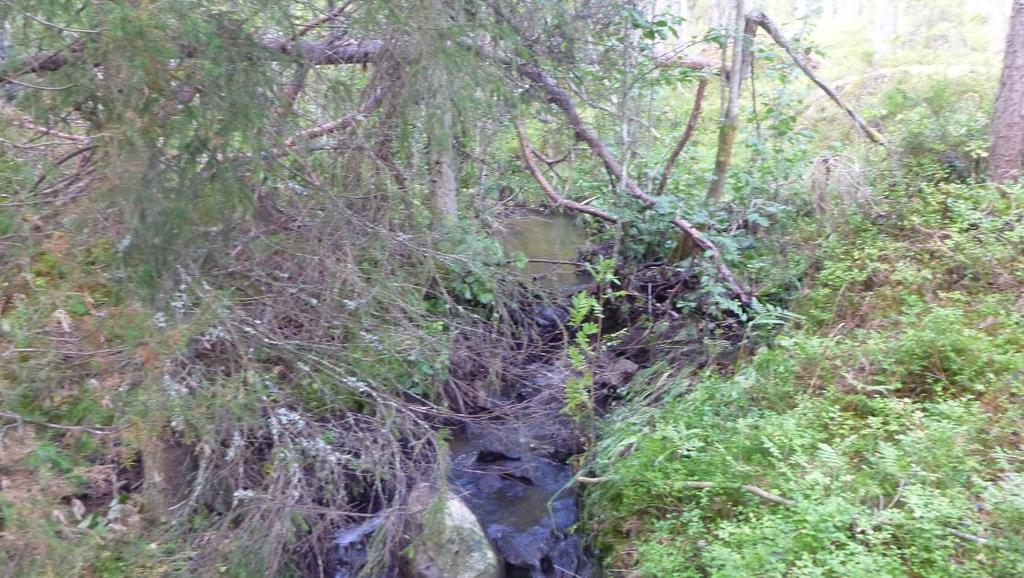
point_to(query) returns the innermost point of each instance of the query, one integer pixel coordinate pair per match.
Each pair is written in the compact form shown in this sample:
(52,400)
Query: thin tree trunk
(730,120)
(691,126)
(1007,133)
(443,185)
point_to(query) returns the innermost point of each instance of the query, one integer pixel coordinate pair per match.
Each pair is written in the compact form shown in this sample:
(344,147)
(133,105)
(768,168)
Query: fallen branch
(759,492)
(25,122)
(372,102)
(970,537)
(691,127)
(770,27)
(98,430)
(531,166)
(560,98)
(764,495)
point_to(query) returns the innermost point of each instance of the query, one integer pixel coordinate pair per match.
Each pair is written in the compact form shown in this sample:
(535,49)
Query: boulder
(448,541)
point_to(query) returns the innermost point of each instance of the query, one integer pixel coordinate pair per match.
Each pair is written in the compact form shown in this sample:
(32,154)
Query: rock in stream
(512,475)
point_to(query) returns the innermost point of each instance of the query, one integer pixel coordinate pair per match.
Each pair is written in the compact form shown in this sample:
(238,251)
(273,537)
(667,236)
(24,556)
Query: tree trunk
(727,132)
(443,183)
(1007,132)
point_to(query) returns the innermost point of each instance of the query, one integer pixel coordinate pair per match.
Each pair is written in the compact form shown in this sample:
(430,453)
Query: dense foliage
(248,275)
(890,416)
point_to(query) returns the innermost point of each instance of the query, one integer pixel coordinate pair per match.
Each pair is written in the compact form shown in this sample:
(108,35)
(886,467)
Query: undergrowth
(886,422)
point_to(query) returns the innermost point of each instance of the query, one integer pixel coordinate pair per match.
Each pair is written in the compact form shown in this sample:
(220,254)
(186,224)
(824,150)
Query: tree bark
(443,181)
(1007,132)
(727,132)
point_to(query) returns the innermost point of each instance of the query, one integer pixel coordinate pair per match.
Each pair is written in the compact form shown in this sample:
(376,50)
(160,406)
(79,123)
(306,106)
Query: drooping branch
(372,101)
(773,30)
(691,127)
(534,170)
(560,98)
(328,52)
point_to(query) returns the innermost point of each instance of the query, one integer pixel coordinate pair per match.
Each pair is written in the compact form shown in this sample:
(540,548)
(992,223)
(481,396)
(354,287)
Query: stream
(512,472)
(511,469)
(545,237)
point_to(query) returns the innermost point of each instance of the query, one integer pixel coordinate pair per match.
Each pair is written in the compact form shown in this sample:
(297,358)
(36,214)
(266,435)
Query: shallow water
(549,236)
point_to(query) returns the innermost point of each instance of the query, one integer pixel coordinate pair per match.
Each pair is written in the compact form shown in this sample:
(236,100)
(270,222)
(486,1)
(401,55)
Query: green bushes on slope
(890,419)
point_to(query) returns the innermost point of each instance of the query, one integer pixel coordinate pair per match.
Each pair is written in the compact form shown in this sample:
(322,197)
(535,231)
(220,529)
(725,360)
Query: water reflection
(545,236)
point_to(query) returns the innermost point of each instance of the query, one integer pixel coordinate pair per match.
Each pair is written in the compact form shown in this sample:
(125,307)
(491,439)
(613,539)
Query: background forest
(252,277)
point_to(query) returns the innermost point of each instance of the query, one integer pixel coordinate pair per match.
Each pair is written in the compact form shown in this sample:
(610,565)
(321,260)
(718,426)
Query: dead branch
(27,123)
(691,126)
(531,166)
(371,103)
(772,29)
(98,430)
(765,495)
(315,53)
(332,15)
(329,52)
(560,98)
(759,492)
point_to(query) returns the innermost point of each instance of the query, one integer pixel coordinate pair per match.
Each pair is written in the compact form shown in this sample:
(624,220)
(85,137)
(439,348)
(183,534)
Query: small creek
(512,471)
(551,239)
(511,468)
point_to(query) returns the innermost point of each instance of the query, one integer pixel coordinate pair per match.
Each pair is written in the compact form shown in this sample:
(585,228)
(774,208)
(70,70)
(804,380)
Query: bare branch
(765,495)
(59,27)
(332,15)
(100,431)
(373,100)
(759,492)
(25,122)
(691,127)
(531,166)
(770,27)
(348,51)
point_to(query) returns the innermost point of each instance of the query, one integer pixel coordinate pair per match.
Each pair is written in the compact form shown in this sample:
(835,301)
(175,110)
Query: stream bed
(512,471)
(510,467)
(513,475)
